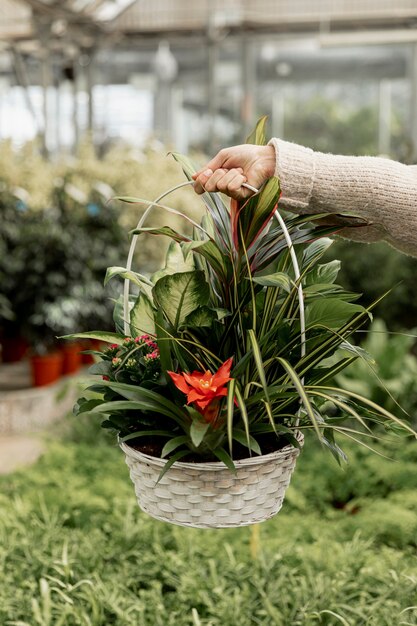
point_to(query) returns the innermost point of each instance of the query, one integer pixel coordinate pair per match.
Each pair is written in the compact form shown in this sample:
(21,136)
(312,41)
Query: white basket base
(208,495)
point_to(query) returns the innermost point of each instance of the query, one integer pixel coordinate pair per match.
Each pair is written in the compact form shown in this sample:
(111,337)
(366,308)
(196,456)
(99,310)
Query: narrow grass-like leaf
(230,412)
(176,457)
(223,456)
(301,392)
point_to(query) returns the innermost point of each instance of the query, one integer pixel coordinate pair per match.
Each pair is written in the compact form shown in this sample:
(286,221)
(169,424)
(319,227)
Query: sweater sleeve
(378,195)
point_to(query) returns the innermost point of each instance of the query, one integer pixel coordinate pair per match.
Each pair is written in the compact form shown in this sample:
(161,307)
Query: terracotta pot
(13,349)
(71,358)
(89,344)
(46,368)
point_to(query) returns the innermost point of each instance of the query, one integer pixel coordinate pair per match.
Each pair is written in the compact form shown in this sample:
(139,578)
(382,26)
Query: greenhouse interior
(208,268)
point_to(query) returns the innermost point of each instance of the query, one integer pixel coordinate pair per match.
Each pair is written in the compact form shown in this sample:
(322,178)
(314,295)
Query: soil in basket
(153,447)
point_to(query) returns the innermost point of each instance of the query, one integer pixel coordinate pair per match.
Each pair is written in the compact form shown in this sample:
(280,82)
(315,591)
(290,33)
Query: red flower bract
(204,389)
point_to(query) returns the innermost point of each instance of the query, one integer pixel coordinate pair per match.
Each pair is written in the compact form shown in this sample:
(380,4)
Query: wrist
(268,159)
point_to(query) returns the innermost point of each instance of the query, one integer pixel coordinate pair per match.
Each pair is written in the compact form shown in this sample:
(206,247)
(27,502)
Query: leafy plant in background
(361,271)
(224,314)
(392,381)
(52,266)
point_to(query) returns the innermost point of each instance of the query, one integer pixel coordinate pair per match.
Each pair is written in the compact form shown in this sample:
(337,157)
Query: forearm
(381,192)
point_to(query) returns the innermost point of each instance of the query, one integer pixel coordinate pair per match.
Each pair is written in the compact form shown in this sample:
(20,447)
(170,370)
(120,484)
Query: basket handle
(126,311)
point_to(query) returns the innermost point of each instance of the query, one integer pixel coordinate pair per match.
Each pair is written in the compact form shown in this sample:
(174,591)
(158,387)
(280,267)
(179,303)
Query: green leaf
(315,251)
(101,335)
(279,279)
(175,262)
(251,444)
(325,273)
(212,253)
(302,393)
(159,402)
(258,135)
(259,210)
(180,294)
(258,361)
(163,230)
(330,312)
(141,281)
(164,342)
(230,411)
(173,444)
(198,430)
(222,455)
(83,405)
(119,311)
(203,317)
(142,320)
(146,433)
(177,456)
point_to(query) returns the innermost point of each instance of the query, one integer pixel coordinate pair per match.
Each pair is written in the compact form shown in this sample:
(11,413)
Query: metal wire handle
(126,311)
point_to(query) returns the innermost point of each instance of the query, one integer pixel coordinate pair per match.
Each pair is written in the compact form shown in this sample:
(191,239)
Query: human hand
(232,167)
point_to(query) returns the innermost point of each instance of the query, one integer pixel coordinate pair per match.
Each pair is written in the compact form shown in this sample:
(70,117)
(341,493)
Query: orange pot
(46,368)
(72,358)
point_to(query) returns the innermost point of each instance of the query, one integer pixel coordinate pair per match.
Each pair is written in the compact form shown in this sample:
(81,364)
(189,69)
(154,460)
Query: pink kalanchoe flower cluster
(152,355)
(147,340)
(116,361)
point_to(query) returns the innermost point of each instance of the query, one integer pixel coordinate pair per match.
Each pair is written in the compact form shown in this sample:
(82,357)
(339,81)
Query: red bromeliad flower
(205,389)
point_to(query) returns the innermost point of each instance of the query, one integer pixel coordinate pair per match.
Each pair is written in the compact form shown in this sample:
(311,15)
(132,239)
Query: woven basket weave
(208,495)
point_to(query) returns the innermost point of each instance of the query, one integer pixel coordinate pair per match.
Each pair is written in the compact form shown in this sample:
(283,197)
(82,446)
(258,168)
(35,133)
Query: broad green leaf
(252,444)
(279,279)
(203,317)
(164,342)
(141,281)
(173,444)
(324,273)
(119,311)
(142,320)
(134,392)
(315,251)
(85,404)
(101,335)
(330,312)
(212,253)
(174,262)
(197,431)
(180,294)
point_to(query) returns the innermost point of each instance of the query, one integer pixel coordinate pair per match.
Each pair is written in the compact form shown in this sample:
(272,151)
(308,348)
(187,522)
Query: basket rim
(214,465)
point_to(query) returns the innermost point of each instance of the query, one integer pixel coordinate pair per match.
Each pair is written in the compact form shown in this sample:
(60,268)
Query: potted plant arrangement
(225,357)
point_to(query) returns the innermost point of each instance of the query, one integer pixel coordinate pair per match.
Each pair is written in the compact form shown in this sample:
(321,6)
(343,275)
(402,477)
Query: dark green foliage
(372,270)
(52,266)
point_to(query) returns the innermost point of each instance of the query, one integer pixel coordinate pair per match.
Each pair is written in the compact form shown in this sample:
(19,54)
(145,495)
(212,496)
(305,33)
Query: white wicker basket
(209,495)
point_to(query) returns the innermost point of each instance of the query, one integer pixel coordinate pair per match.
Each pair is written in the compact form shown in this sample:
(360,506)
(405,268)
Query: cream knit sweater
(380,192)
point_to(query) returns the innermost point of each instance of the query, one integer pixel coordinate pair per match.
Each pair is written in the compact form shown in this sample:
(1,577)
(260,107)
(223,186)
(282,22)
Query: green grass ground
(76,550)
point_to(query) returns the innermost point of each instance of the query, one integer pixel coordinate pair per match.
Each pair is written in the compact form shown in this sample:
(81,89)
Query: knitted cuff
(295,168)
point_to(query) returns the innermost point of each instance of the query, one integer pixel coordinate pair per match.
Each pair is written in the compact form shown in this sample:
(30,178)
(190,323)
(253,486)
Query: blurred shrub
(52,268)
(122,171)
(392,381)
(331,125)
(373,269)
